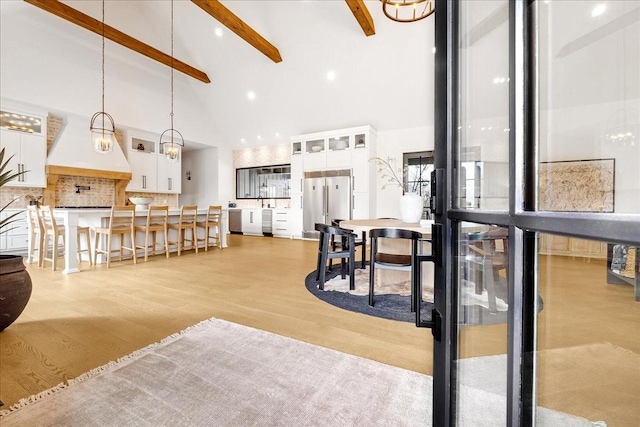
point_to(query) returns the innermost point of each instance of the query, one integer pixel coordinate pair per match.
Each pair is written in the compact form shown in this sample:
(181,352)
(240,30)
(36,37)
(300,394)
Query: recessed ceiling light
(598,10)
(277,134)
(218,32)
(251,95)
(259,137)
(242,140)
(331,76)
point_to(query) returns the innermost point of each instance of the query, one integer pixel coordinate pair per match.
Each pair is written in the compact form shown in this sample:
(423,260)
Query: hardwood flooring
(74,323)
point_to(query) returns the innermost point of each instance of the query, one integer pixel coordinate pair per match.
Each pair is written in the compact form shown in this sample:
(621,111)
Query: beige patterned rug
(398,286)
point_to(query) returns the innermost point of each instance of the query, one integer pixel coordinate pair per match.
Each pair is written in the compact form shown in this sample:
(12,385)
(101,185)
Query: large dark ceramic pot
(15,288)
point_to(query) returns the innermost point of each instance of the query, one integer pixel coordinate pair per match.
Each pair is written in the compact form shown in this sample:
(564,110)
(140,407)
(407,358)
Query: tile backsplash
(101,191)
(170,200)
(19,195)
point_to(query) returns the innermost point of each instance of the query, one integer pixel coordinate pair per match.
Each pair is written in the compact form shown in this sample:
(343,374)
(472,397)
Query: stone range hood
(72,154)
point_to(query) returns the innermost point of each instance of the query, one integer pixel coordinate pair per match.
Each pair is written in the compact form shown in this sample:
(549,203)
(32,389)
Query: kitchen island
(88,217)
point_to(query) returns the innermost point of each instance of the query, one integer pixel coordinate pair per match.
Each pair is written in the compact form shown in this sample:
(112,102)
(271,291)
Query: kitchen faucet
(261,201)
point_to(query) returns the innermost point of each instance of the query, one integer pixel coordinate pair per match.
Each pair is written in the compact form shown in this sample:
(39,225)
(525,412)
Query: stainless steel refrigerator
(326,196)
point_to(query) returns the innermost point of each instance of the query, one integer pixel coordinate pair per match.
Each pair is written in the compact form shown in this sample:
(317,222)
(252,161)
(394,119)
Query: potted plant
(15,282)
(411,203)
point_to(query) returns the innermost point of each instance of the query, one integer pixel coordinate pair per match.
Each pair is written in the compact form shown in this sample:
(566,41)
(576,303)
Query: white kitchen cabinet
(144,171)
(150,170)
(360,206)
(297,174)
(29,153)
(364,171)
(296,215)
(281,223)
(315,161)
(169,176)
(16,239)
(350,148)
(252,221)
(339,151)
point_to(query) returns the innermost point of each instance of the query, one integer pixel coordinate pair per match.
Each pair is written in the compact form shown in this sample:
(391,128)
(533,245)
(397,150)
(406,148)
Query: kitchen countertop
(139,212)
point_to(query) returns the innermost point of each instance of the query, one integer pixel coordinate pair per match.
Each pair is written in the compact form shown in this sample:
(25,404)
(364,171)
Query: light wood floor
(74,323)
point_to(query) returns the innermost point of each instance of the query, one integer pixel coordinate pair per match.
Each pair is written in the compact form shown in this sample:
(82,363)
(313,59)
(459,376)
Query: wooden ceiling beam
(87,22)
(238,26)
(360,11)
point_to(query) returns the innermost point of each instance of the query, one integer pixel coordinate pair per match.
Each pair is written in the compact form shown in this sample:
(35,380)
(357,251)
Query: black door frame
(522,218)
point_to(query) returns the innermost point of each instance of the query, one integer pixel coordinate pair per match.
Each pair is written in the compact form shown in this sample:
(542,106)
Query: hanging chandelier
(102,127)
(407,10)
(171,140)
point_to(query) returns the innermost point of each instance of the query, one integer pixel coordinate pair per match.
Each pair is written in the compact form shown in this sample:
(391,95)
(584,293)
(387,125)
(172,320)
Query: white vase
(411,208)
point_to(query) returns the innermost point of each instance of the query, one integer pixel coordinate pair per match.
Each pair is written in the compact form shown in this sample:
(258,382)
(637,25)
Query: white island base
(72,218)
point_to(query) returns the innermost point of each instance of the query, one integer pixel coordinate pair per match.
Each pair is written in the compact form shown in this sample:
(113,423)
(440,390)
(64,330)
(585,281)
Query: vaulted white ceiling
(385,80)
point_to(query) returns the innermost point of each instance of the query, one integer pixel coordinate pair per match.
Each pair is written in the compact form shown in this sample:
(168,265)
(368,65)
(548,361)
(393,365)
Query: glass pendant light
(102,127)
(171,140)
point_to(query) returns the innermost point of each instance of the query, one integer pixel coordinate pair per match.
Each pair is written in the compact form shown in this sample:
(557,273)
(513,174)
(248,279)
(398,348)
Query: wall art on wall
(577,186)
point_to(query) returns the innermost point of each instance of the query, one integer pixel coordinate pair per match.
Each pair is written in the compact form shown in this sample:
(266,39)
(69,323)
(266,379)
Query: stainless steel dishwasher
(267,217)
(235,221)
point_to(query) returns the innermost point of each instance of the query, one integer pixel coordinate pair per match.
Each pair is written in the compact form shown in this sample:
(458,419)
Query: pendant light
(171,140)
(407,10)
(102,127)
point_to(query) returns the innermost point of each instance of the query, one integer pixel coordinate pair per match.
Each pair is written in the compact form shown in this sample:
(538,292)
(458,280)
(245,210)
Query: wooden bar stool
(52,234)
(212,222)
(36,235)
(188,219)
(53,231)
(157,219)
(121,222)
(86,233)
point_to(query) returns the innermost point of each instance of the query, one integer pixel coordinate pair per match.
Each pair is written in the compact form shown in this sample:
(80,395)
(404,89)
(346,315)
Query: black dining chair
(346,253)
(360,241)
(391,261)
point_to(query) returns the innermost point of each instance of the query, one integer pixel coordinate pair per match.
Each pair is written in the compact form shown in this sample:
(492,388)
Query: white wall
(393,144)
(226,175)
(202,188)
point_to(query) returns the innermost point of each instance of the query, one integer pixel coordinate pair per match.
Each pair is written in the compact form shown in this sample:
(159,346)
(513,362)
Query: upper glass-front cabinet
(339,143)
(314,146)
(143,145)
(21,122)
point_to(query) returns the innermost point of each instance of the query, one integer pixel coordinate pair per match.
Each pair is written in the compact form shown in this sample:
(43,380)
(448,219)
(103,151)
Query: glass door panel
(480,368)
(482,163)
(588,341)
(544,328)
(588,86)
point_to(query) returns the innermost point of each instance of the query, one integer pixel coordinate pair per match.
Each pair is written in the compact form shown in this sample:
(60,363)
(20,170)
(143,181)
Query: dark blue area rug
(397,307)
(393,307)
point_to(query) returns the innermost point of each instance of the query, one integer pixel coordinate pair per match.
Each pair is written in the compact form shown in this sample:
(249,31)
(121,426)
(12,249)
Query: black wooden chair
(346,252)
(360,241)
(400,262)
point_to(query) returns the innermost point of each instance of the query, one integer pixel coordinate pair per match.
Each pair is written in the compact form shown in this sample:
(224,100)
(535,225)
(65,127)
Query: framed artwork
(577,186)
